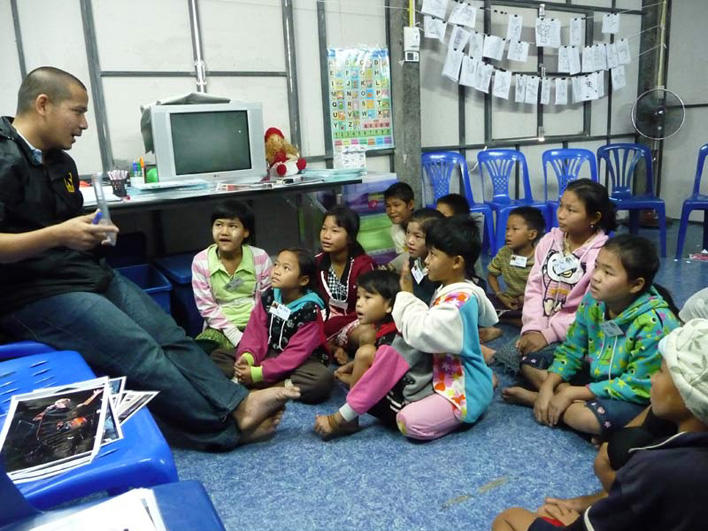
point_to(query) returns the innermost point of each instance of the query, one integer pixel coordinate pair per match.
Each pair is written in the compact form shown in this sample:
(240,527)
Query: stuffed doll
(282,157)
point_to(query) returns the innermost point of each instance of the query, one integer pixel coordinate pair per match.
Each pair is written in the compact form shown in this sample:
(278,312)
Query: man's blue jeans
(123,332)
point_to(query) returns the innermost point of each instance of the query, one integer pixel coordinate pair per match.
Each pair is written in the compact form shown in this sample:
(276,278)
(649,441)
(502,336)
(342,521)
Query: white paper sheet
(610,23)
(476,45)
(453,61)
(575,37)
(588,59)
(545,91)
(563,59)
(493,47)
(590,91)
(618,78)
(434,28)
(577,88)
(502,84)
(483,76)
(519,88)
(548,32)
(561,91)
(437,8)
(469,65)
(464,15)
(612,56)
(623,55)
(459,38)
(600,56)
(574,59)
(600,83)
(531,95)
(518,51)
(513,27)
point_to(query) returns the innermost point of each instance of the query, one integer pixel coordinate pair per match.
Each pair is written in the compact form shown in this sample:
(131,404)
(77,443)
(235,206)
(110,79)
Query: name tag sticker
(280,310)
(611,329)
(518,261)
(234,283)
(418,273)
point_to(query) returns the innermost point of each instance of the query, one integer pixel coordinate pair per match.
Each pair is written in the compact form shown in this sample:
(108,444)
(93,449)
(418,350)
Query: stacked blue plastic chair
(567,165)
(183,506)
(499,164)
(439,167)
(621,161)
(696,201)
(141,459)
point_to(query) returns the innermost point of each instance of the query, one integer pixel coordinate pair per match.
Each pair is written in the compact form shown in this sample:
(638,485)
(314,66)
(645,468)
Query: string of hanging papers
(585,65)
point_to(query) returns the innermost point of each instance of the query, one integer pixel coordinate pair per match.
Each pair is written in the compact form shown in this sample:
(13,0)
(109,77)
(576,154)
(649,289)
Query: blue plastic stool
(22,348)
(566,164)
(439,166)
(499,164)
(696,201)
(141,459)
(178,269)
(621,162)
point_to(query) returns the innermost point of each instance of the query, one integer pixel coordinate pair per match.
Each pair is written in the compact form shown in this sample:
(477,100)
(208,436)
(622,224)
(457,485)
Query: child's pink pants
(429,418)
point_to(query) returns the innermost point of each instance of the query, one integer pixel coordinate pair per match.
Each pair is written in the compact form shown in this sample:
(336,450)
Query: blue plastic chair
(22,348)
(621,161)
(499,164)
(184,506)
(439,167)
(141,459)
(566,164)
(696,201)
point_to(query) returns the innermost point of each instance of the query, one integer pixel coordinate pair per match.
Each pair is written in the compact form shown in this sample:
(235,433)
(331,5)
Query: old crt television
(220,142)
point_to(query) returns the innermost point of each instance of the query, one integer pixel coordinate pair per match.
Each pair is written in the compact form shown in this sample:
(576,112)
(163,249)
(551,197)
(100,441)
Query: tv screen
(210,142)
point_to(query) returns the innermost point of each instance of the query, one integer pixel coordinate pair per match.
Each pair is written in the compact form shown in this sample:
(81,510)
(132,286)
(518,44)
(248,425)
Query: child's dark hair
(385,283)
(233,209)
(458,204)
(456,236)
(425,217)
(346,218)
(307,265)
(640,260)
(402,191)
(533,218)
(594,197)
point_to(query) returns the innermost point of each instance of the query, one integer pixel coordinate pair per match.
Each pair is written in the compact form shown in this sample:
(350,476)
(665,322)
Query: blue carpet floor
(378,480)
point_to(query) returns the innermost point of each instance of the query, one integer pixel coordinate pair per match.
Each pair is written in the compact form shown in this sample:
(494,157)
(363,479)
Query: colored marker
(97,218)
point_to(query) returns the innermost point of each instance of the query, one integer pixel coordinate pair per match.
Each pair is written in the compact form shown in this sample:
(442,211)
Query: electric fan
(658,113)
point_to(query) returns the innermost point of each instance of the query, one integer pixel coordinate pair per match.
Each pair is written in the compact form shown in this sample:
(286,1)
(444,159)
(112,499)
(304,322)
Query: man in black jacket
(54,288)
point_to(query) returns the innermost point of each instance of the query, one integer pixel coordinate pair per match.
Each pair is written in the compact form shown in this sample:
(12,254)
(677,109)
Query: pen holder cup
(118,186)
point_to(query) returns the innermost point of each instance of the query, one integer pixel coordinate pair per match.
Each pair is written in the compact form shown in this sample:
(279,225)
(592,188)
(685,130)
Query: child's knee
(410,427)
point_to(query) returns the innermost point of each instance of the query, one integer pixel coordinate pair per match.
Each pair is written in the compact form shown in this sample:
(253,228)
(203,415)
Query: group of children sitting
(408,336)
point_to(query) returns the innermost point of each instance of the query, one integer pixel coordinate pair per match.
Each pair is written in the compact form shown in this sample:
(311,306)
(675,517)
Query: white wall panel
(139,35)
(9,62)
(438,98)
(688,62)
(355,24)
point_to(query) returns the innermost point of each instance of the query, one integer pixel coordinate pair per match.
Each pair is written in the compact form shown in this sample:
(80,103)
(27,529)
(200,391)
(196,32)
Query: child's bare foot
(341,356)
(331,426)
(489,334)
(265,430)
(262,404)
(488,354)
(519,395)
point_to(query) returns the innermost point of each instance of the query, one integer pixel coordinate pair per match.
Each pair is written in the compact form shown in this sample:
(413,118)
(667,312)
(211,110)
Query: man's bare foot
(265,430)
(488,354)
(519,395)
(489,334)
(331,426)
(262,404)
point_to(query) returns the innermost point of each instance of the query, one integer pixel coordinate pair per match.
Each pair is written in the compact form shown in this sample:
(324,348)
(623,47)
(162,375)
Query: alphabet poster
(360,97)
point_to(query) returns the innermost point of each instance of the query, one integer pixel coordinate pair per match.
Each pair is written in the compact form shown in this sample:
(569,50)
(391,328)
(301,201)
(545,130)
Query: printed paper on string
(563,59)
(519,88)
(545,91)
(610,23)
(459,38)
(576,31)
(476,45)
(561,91)
(502,84)
(618,78)
(493,47)
(600,56)
(600,74)
(588,59)
(464,15)
(518,51)
(531,94)
(453,61)
(548,32)
(623,55)
(612,56)
(513,28)
(574,59)
(436,8)
(469,65)
(483,76)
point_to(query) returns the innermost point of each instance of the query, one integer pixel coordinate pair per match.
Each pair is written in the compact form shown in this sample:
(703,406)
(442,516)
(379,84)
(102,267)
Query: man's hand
(81,234)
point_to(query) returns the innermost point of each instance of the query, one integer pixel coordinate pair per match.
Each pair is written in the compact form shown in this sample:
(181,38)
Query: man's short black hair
(401,191)
(53,82)
(533,218)
(457,203)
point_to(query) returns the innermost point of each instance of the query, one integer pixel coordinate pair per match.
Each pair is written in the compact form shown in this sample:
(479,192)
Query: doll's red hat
(273,131)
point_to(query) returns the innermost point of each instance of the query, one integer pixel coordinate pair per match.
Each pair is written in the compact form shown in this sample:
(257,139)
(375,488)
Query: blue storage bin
(178,268)
(151,281)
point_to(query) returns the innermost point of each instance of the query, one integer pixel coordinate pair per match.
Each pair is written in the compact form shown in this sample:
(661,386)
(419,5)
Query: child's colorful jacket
(620,365)
(448,330)
(294,339)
